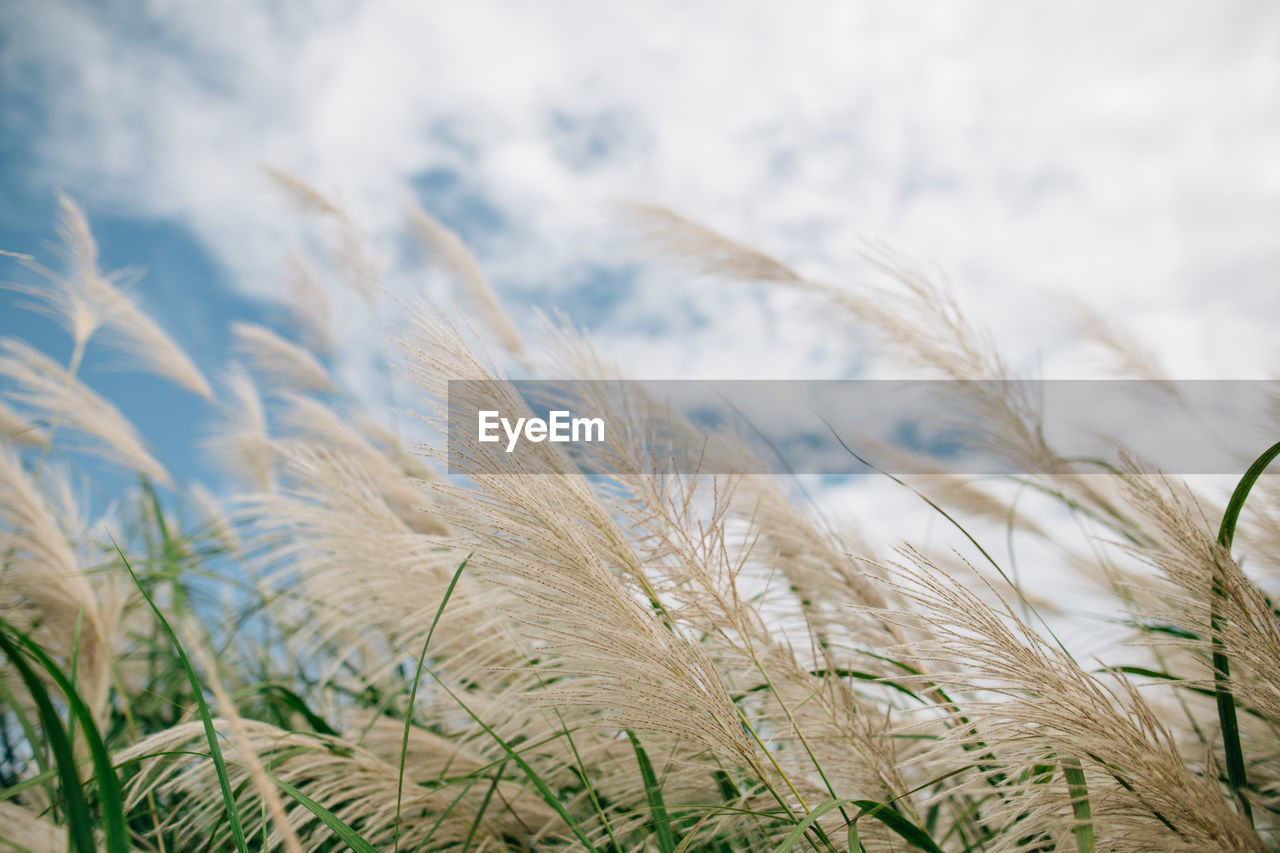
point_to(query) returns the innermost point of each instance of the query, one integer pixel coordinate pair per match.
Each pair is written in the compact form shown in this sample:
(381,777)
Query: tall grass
(359,652)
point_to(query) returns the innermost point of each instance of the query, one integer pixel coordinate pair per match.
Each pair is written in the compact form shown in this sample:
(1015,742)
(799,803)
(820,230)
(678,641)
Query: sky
(1125,153)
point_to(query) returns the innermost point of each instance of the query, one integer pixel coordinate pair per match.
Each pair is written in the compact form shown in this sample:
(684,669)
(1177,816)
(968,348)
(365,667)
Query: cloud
(1122,152)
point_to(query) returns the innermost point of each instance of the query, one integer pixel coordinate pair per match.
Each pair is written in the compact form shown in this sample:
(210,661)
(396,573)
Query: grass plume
(630,661)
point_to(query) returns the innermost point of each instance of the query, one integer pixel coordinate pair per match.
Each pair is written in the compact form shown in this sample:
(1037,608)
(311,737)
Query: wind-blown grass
(395,659)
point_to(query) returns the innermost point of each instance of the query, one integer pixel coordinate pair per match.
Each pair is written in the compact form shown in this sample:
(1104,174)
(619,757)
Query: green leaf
(47,773)
(1236,773)
(484,806)
(413,695)
(108,783)
(80,821)
(543,790)
(215,751)
(349,836)
(653,792)
(1176,682)
(849,673)
(883,812)
(1079,791)
(284,696)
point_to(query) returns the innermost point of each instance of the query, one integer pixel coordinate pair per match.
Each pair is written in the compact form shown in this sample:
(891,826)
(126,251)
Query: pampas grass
(396,659)
(59,399)
(84,300)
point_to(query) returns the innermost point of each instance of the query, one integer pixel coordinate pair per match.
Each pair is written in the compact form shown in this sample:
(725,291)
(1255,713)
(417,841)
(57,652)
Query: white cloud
(1122,151)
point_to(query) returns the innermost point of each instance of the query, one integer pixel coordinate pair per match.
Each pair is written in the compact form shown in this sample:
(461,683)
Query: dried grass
(624,661)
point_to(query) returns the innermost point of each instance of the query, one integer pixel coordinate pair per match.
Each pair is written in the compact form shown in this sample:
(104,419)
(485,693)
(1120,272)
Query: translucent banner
(858,426)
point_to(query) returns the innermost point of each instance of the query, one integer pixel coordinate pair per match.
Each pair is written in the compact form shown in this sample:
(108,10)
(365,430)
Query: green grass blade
(883,812)
(484,806)
(581,769)
(653,792)
(1175,681)
(548,796)
(41,778)
(964,531)
(905,829)
(29,732)
(1079,790)
(75,664)
(215,751)
(413,694)
(1236,773)
(1227,532)
(281,695)
(79,821)
(693,833)
(449,808)
(349,836)
(108,783)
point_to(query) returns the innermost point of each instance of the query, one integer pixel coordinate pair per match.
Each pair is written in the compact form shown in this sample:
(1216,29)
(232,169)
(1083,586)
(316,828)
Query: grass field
(356,651)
